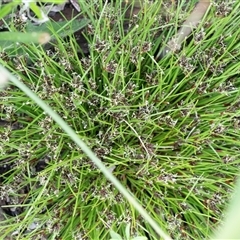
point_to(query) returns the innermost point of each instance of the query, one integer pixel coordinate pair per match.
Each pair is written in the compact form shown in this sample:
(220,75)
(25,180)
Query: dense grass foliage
(168,129)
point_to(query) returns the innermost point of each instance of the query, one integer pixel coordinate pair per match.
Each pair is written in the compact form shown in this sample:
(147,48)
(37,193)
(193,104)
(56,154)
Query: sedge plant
(166,129)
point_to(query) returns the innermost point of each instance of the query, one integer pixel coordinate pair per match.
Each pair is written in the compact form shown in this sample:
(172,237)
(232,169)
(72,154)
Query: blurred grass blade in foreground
(33,37)
(230,227)
(72,134)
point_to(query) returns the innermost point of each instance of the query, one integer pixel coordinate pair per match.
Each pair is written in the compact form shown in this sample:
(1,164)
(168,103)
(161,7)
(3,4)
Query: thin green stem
(89,153)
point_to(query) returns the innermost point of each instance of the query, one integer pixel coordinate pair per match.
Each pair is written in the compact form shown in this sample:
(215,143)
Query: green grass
(169,127)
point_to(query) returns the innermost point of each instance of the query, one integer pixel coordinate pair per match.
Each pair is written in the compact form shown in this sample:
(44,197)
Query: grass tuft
(168,129)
